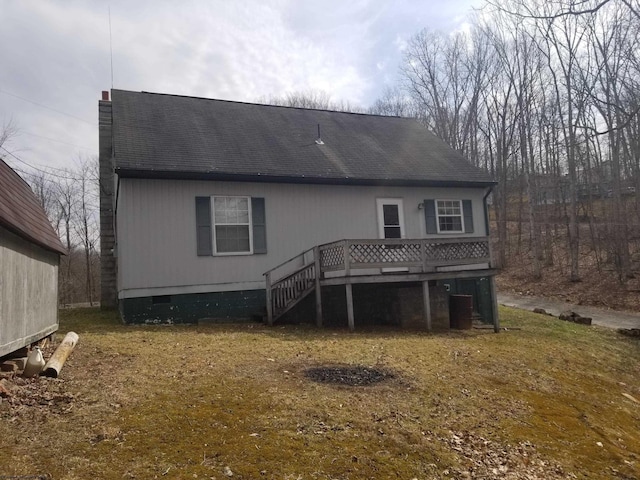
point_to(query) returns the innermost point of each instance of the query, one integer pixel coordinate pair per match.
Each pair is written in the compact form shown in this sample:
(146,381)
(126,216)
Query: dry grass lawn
(544,401)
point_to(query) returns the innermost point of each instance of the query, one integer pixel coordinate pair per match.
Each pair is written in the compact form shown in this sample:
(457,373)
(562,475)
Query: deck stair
(371,261)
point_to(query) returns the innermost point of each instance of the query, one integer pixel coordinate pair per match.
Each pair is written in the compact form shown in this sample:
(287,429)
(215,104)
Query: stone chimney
(108,273)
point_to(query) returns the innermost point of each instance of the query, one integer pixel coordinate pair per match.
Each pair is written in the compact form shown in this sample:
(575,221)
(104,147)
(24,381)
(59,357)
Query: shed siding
(156,224)
(28,292)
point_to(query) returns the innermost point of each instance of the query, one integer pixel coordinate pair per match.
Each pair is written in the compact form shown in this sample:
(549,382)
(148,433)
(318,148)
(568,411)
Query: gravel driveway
(600,316)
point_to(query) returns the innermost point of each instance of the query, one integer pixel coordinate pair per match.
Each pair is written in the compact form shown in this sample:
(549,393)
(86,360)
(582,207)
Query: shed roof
(21,213)
(170,136)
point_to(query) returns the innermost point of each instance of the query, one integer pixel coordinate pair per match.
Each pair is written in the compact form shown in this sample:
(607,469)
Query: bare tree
(394,102)
(444,75)
(44,188)
(85,217)
(66,195)
(568,8)
(312,99)
(519,65)
(8,131)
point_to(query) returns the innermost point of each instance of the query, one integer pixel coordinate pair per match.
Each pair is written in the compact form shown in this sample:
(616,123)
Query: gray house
(29,257)
(217,210)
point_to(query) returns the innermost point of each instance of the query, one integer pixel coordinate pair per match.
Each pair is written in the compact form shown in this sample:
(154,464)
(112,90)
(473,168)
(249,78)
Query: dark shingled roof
(21,213)
(169,136)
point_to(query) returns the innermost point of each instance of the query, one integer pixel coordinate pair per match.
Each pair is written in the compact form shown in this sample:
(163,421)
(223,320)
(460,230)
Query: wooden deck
(347,262)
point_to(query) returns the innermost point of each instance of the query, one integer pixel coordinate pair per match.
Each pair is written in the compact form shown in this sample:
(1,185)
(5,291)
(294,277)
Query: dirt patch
(352,375)
(25,397)
(21,397)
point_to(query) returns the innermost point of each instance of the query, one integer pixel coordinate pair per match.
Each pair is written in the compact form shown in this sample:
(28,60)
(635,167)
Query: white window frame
(214,224)
(438,216)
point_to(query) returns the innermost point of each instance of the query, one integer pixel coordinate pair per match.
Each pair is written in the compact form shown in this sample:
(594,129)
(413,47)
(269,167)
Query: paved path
(600,316)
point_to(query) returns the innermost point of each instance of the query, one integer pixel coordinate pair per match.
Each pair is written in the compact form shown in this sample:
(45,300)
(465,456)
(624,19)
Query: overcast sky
(55,61)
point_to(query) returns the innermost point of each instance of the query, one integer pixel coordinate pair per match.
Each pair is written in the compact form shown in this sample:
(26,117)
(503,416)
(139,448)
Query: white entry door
(391,223)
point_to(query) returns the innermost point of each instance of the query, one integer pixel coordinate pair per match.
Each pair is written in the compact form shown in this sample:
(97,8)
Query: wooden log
(54,365)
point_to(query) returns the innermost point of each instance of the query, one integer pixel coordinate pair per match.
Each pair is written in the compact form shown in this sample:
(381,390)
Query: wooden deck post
(349,291)
(269,300)
(426,305)
(494,303)
(318,275)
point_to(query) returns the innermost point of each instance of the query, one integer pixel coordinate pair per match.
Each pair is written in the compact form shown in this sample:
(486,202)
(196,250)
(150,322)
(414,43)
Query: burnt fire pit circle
(351,375)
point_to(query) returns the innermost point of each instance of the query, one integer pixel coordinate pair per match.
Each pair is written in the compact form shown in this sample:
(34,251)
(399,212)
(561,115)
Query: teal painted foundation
(215,307)
(376,304)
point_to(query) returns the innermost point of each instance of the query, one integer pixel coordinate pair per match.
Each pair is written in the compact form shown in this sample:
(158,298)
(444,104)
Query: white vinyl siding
(157,228)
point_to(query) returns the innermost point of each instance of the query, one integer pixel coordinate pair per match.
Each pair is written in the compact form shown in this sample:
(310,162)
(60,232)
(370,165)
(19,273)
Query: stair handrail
(271,270)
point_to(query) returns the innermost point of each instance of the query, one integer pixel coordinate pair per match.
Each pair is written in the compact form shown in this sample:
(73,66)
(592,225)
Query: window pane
(232,238)
(243,245)
(242,232)
(243,216)
(448,207)
(232,224)
(390,215)
(220,209)
(449,215)
(221,233)
(231,210)
(224,246)
(450,224)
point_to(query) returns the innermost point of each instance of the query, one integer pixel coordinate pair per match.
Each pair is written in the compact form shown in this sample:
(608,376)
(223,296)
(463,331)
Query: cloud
(60,55)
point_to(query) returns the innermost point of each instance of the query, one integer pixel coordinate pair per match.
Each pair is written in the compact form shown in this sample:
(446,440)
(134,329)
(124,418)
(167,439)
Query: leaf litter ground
(551,400)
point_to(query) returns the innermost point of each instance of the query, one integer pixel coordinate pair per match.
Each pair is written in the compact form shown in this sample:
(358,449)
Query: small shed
(29,258)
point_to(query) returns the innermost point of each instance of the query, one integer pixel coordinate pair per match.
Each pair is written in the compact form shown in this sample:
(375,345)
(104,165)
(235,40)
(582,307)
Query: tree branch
(564,13)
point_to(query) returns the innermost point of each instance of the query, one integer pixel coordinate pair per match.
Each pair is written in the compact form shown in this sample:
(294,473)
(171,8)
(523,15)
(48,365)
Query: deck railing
(304,271)
(425,254)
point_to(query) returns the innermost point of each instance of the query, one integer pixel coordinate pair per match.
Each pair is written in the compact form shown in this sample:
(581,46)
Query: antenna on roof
(319,139)
(110,47)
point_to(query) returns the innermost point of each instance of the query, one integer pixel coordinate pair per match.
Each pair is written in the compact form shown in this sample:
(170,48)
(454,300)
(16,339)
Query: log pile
(574,317)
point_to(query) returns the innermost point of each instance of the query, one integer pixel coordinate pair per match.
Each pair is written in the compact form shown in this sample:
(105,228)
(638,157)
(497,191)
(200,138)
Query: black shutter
(467,211)
(203,225)
(430,216)
(259,221)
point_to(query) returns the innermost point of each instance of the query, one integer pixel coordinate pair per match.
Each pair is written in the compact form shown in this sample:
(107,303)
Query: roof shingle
(175,136)
(21,213)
